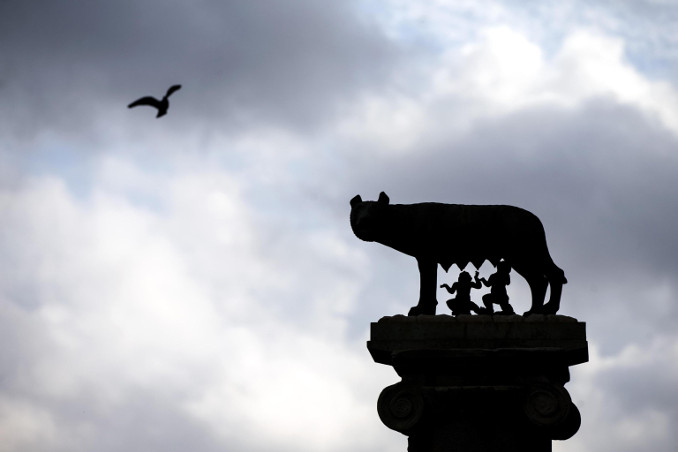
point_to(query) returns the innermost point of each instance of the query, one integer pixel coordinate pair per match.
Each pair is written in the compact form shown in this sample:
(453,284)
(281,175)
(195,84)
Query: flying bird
(162,105)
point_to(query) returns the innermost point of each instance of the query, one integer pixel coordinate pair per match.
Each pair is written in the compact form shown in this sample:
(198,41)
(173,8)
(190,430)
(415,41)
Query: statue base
(479,383)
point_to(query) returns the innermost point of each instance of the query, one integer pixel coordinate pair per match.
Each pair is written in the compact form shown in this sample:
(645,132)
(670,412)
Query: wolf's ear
(383,198)
(356,200)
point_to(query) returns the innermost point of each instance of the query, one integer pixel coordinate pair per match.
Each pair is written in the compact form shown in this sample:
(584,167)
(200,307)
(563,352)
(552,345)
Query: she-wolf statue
(446,234)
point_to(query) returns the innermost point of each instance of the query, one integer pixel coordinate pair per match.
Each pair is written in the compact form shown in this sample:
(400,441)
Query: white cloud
(193,283)
(503,66)
(590,64)
(500,73)
(25,426)
(165,301)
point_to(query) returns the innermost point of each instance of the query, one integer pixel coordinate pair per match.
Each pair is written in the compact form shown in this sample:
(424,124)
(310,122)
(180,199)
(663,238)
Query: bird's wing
(148,100)
(172,89)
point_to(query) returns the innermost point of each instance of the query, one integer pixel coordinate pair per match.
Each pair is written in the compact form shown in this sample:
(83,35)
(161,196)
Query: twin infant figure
(497,283)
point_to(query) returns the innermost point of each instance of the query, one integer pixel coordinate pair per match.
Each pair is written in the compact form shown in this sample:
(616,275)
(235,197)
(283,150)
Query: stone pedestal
(479,383)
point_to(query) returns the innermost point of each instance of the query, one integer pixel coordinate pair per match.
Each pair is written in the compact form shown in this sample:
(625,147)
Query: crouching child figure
(497,283)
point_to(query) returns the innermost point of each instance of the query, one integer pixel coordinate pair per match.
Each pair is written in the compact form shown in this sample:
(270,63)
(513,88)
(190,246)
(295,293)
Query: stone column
(479,383)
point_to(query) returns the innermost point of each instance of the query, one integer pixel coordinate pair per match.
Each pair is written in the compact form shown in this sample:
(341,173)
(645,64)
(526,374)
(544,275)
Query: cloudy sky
(192,282)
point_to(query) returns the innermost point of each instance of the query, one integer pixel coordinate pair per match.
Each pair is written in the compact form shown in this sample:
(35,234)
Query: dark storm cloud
(601,178)
(604,168)
(267,60)
(600,175)
(644,387)
(641,390)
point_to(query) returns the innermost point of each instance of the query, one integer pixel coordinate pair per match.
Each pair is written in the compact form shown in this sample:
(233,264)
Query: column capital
(481,382)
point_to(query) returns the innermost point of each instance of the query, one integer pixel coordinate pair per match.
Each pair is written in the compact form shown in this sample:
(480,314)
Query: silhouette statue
(162,105)
(498,282)
(446,234)
(462,304)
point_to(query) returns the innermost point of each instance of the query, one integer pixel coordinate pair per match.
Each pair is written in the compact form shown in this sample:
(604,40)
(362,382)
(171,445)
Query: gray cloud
(193,276)
(601,178)
(604,165)
(283,62)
